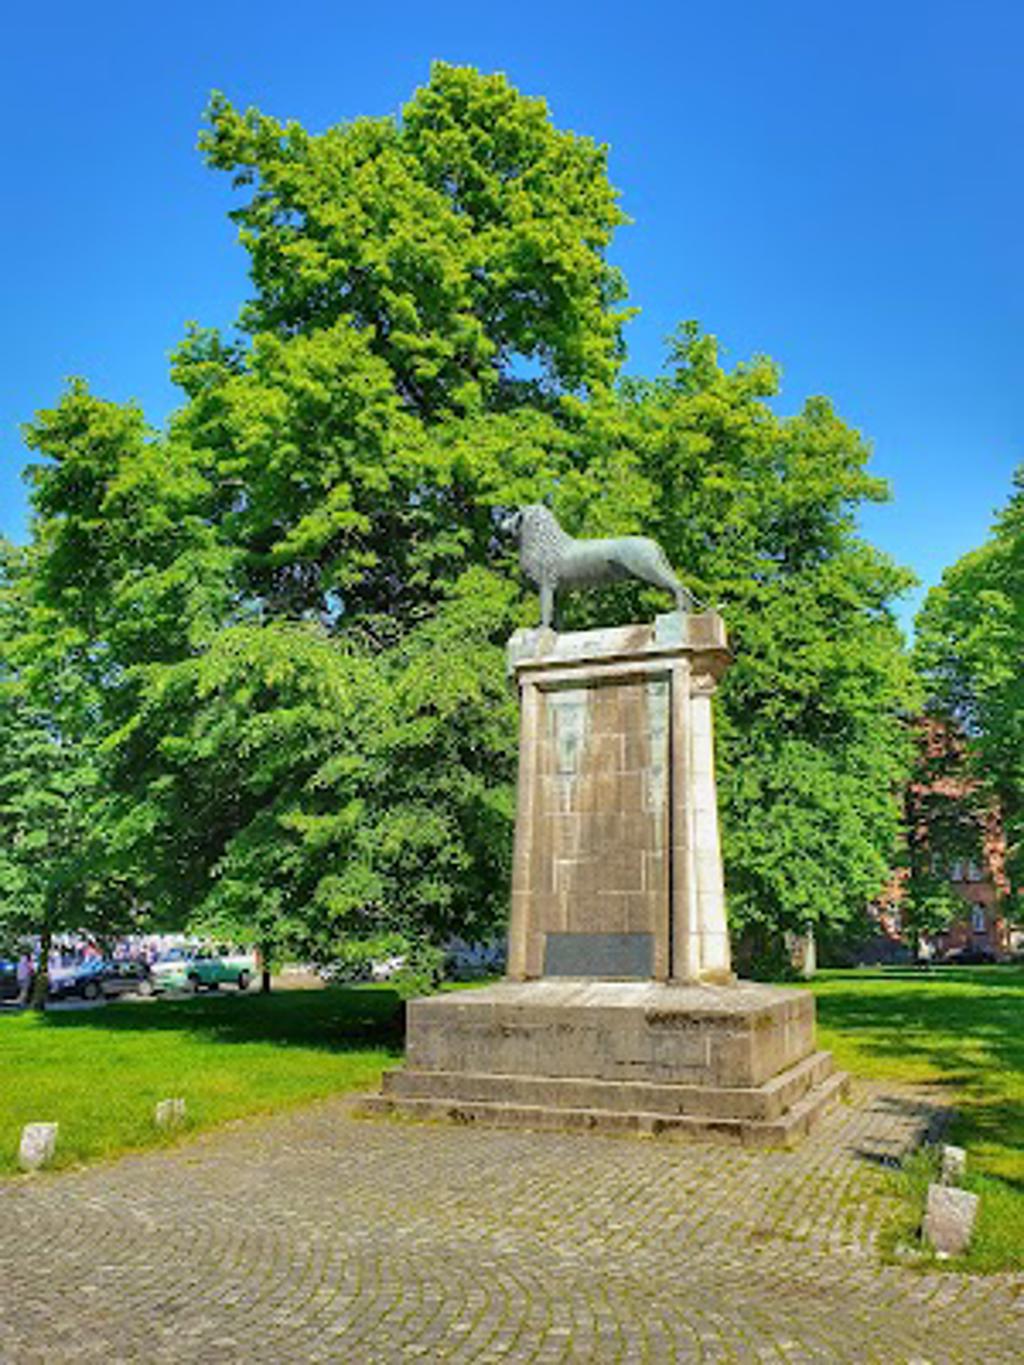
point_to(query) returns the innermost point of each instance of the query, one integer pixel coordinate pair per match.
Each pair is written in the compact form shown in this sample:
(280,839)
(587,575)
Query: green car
(192,968)
(170,970)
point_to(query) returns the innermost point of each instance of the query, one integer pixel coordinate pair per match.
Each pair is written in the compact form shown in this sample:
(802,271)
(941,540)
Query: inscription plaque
(611,956)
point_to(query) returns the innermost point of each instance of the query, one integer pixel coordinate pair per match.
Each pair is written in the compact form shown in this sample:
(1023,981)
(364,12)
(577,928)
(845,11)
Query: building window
(956,871)
(973,871)
(978,919)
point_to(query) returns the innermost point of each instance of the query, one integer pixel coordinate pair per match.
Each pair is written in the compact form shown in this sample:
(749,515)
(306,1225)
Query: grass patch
(99,1073)
(998,1241)
(963,1029)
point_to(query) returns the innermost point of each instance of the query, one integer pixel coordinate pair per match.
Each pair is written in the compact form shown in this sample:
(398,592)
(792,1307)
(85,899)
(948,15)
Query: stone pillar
(685,951)
(712,930)
(529,706)
(617,870)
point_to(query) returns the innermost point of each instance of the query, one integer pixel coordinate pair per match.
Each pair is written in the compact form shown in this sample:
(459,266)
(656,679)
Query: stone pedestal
(619,1011)
(720,1063)
(617,870)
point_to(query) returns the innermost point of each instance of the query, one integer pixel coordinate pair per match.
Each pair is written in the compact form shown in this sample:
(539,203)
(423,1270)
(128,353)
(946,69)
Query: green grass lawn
(961,1029)
(99,1073)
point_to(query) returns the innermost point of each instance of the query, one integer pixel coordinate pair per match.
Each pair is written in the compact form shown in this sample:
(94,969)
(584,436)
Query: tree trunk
(264,969)
(41,980)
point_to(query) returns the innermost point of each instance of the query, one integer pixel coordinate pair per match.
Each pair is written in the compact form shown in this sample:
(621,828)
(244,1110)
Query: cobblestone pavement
(317,1236)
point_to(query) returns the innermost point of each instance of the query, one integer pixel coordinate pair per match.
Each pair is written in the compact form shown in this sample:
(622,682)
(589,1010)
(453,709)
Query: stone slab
(724,1036)
(670,632)
(949,1219)
(38,1144)
(169,1113)
(954,1164)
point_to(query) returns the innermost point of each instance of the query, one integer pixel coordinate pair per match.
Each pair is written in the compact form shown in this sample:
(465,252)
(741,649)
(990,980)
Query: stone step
(784,1131)
(764,1103)
(793,1126)
(728,1036)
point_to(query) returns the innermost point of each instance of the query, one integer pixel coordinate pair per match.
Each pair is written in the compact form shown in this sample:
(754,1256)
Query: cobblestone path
(317,1236)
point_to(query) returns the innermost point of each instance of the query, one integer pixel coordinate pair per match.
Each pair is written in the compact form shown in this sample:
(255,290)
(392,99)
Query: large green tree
(54,875)
(759,514)
(295,596)
(970,644)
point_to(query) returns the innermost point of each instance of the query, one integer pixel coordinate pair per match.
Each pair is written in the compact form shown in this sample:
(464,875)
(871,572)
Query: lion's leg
(656,571)
(547,602)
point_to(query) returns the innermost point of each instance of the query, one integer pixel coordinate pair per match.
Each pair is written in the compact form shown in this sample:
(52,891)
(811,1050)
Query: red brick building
(945,817)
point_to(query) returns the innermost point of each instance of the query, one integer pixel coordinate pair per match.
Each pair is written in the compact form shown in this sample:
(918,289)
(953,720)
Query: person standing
(26,971)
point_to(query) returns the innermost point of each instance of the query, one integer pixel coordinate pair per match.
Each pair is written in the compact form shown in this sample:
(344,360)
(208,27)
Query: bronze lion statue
(554,561)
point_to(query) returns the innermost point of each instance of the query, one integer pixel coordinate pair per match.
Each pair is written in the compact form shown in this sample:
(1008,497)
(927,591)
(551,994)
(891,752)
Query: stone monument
(619,1010)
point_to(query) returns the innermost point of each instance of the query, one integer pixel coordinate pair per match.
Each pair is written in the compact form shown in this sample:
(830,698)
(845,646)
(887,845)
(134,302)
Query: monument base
(731,1063)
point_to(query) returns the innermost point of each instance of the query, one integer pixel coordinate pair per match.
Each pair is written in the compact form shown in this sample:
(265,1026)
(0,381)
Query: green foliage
(931,905)
(467,234)
(293,603)
(758,513)
(970,641)
(237,772)
(126,551)
(353,959)
(52,867)
(416,966)
(841,943)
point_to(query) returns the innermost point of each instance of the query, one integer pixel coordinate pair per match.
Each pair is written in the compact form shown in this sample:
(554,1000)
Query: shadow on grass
(1002,976)
(966,1025)
(335,1020)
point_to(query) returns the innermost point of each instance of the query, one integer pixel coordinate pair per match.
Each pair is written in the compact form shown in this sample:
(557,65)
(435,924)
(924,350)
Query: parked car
(10,987)
(170,970)
(195,968)
(213,967)
(99,979)
(969,957)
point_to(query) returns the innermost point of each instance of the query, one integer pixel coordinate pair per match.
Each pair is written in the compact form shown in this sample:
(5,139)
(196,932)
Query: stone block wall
(617,868)
(597,860)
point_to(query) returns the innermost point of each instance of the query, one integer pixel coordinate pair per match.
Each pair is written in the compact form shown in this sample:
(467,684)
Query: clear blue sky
(837,186)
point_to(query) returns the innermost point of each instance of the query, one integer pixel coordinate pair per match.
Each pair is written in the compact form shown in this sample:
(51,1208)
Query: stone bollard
(38,1143)
(954,1165)
(169,1113)
(949,1219)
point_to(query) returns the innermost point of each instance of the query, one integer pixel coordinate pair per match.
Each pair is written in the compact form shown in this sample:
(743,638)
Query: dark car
(10,987)
(91,980)
(970,957)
